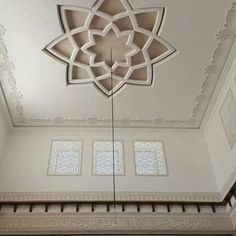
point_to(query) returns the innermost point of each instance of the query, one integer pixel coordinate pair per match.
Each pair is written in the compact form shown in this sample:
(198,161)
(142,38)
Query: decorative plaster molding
(95,122)
(7,79)
(143,47)
(225,37)
(110,222)
(108,196)
(213,72)
(20,120)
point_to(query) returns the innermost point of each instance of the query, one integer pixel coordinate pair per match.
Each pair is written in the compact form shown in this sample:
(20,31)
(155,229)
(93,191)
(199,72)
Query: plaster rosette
(111,38)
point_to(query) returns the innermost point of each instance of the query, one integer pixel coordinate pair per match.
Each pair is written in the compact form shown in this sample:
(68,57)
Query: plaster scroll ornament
(89,36)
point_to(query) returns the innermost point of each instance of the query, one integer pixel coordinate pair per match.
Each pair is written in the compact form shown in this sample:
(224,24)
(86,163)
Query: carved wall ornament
(103,158)
(150,158)
(7,78)
(108,196)
(75,223)
(213,71)
(91,34)
(65,158)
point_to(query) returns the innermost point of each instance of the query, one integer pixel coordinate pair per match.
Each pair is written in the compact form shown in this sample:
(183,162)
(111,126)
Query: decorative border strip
(108,196)
(213,72)
(106,222)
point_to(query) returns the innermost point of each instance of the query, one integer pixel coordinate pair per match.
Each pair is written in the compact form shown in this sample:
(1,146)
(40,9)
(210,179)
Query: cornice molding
(95,122)
(108,196)
(213,72)
(229,183)
(52,223)
(7,78)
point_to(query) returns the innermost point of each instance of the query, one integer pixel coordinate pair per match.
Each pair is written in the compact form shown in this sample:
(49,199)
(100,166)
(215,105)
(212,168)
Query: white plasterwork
(108,196)
(109,222)
(225,39)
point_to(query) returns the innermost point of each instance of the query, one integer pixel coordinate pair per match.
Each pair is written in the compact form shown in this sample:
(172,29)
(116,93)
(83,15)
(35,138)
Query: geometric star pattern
(110,38)
(103,158)
(65,158)
(150,158)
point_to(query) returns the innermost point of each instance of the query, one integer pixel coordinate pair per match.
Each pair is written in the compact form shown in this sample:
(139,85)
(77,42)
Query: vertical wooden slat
(15,208)
(168,207)
(138,207)
(213,208)
(31,208)
(153,208)
(46,207)
(198,208)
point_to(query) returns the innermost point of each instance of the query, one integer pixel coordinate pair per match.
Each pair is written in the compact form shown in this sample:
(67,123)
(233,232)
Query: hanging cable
(113,136)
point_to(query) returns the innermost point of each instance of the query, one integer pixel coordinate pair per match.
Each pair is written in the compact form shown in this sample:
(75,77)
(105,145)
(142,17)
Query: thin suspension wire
(113,137)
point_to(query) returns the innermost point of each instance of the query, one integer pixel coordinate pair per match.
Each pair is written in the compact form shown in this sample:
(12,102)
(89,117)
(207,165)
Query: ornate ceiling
(174,48)
(110,32)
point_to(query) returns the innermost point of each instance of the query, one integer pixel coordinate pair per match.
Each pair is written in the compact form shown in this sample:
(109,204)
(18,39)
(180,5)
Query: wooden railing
(120,206)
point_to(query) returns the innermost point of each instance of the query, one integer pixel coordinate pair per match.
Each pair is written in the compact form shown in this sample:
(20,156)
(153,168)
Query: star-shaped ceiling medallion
(111,36)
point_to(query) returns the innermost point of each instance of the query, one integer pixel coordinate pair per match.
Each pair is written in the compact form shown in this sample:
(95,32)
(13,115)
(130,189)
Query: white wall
(223,157)
(3,135)
(3,128)
(24,167)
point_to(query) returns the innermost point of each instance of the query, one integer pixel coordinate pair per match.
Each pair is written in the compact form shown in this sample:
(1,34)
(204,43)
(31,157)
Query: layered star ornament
(111,38)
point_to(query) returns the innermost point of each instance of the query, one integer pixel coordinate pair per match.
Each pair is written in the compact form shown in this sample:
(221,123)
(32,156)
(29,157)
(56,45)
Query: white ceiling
(41,96)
